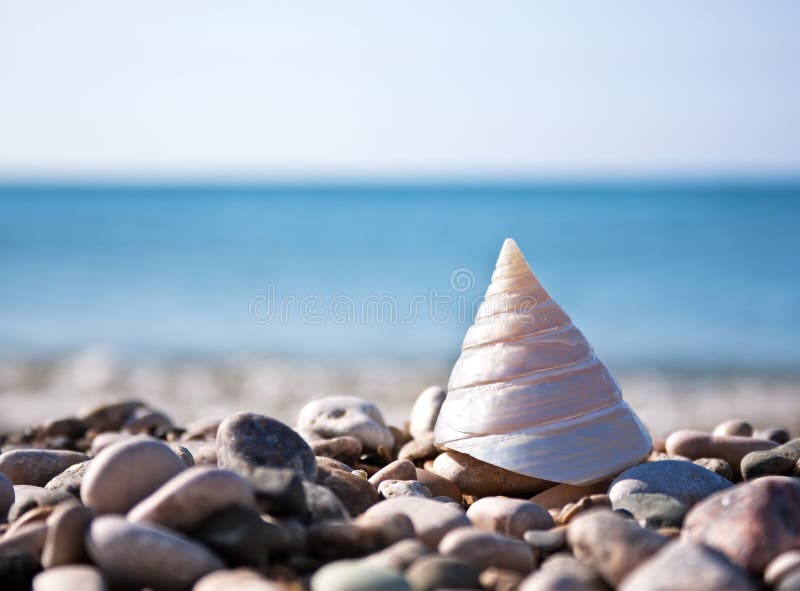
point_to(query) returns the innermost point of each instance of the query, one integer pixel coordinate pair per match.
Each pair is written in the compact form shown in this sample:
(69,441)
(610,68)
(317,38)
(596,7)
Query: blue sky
(353,89)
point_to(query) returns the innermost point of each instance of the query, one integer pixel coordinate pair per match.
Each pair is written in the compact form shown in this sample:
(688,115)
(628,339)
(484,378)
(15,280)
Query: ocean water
(701,275)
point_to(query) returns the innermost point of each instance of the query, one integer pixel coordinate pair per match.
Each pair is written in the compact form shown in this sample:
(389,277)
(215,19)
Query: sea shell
(528,394)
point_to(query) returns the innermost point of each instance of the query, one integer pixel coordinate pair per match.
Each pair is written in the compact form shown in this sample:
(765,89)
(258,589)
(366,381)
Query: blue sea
(688,275)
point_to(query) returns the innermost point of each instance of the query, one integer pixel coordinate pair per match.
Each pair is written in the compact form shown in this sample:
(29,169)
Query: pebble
(752,523)
(17,570)
(27,538)
(236,534)
(110,416)
(191,497)
(417,450)
(351,575)
(653,510)
(137,555)
(389,489)
(425,411)
(685,565)
(321,503)
(437,572)
(776,434)
(439,486)
(399,555)
(568,512)
(356,494)
(780,566)
(549,581)
(480,479)
(202,429)
(717,466)
(699,444)
(37,466)
(345,447)
(246,441)
(332,540)
(561,494)
(183,454)
(567,566)
(611,544)
(484,549)
(278,491)
(27,497)
(335,416)
(74,577)
(431,519)
(241,579)
(71,479)
(64,543)
(397,470)
(507,516)
(734,427)
(684,481)
(546,541)
(125,473)
(765,463)
(147,421)
(6,495)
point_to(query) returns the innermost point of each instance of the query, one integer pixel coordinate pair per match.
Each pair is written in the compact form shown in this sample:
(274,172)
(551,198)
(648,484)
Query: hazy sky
(186,88)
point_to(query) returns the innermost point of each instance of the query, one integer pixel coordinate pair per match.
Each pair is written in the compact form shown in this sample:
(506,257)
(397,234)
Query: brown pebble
(584,504)
(37,466)
(481,479)
(717,466)
(507,516)
(738,427)
(431,519)
(338,447)
(64,544)
(416,450)
(397,470)
(29,538)
(561,494)
(698,444)
(439,486)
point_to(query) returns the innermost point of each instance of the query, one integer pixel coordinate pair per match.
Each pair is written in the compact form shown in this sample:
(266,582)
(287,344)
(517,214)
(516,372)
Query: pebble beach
(339,498)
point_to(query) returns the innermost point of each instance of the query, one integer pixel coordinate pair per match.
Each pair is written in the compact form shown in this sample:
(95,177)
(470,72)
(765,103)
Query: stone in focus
(37,466)
(653,510)
(507,516)
(484,550)
(684,481)
(481,479)
(335,416)
(431,519)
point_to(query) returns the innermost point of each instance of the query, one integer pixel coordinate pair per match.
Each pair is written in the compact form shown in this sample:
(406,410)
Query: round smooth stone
(191,497)
(734,427)
(247,441)
(699,444)
(431,519)
(355,493)
(507,516)
(351,575)
(335,416)
(653,510)
(436,572)
(439,486)
(485,550)
(425,411)
(64,544)
(478,478)
(126,472)
(546,541)
(337,447)
(766,463)
(241,579)
(27,497)
(400,555)
(403,488)
(37,466)
(397,470)
(73,577)
(685,481)
(6,495)
(780,566)
(136,555)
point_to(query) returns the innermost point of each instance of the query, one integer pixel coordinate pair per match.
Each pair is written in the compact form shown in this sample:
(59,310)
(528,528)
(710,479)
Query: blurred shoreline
(34,389)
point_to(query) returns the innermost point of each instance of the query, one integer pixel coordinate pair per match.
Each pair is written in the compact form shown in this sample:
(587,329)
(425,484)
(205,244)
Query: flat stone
(699,444)
(562,494)
(507,516)
(766,463)
(397,470)
(611,544)
(738,427)
(399,555)
(333,540)
(17,570)
(484,550)
(67,526)
(242,579)
(345,447)
(751,524)
(686,565)
(70,480)
(125,473)
(403,488)
(717,466)
(546,541)
(356,494)
(780,566)
(437,572)
(335,416)
(431,519)
(438,485)
(6,495)
(191,497)
(246,441)
(237,534)
(425,411)
(684,481)
(27,497)
(136,555)
(653,510)
(352,575)
(37,466)
(73,577)
(480,479)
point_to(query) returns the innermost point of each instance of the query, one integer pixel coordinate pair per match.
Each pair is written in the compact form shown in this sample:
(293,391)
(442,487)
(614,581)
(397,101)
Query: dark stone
(110,417)
(336,539)
(322,503)
(356,494)
(238,535)
(246,441)
(766,463)
(279,491)
(653,510)
(546,541)
(436,572)
(776,434)
(17,570)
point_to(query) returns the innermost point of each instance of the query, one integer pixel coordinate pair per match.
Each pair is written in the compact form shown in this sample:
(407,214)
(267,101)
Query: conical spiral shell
(528,393)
